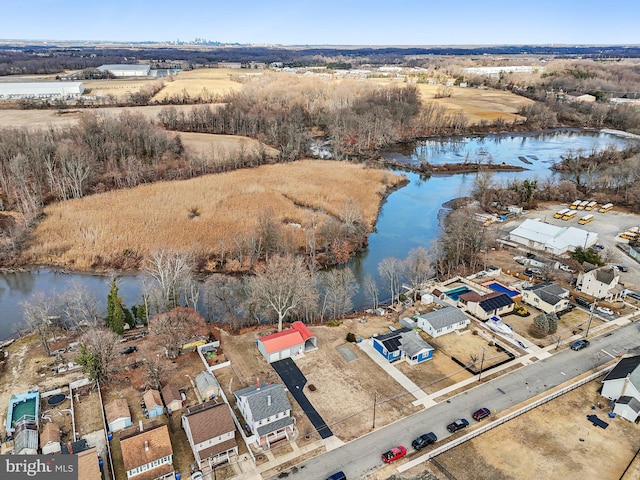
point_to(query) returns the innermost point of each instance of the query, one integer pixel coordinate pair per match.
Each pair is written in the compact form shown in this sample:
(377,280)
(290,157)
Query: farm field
(205,214)
(201,82)
(118,88)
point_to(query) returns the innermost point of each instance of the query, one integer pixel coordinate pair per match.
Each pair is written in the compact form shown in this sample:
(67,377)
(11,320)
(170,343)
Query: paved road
(362,456)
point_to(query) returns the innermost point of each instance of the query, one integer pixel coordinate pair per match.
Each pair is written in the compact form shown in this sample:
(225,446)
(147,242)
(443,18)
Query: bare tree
(170,278)
(283,287)
(157,366)
(418,267)
(175,328)
(371,290)
(98,350)
(224,299)
(390,269)
(339,285)
(39,311)
(80,307)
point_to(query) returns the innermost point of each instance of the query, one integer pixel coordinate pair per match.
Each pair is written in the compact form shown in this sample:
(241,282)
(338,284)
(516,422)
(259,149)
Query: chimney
(257,383)
(146,445)
(140,425)
(269,400)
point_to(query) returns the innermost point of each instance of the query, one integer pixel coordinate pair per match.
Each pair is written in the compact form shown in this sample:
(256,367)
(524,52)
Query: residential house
(172,398)
(207,386)
(146,451)
(50,439)
(443,320)
(291,342)
(211,432)
(546,296)
(403,344)
(486,306)
(89,465)
(153,403)
(267,413)
(580,97)
(622,385)
(599,282)
(118,414)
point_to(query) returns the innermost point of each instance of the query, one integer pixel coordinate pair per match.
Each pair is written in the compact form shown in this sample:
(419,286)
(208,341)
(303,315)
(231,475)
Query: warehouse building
(40,90)
(124,70)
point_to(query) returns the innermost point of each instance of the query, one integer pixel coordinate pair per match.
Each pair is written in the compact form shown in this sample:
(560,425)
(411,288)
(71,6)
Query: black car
(424,441)
(128,350)
(579,345)
(457,425)
(622,268)
(583,302)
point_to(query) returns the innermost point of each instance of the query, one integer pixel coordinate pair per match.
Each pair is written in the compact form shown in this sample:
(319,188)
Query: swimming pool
(498,287)
(22,406)
(456,292)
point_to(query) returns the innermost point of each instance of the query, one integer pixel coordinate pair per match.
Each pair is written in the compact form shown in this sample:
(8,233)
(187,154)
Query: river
(408,218)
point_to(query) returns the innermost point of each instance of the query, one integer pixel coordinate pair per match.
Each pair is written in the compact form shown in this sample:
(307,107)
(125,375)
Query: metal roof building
(35,90)
(124,70)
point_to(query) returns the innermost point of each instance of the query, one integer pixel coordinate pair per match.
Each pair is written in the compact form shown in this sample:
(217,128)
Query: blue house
(153,403)
(403,344)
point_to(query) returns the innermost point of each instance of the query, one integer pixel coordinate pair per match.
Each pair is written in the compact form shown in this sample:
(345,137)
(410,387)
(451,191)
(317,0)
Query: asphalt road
(362,456)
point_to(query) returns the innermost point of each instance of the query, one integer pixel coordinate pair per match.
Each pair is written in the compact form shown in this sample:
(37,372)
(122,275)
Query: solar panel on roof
(392,344)
(496,302)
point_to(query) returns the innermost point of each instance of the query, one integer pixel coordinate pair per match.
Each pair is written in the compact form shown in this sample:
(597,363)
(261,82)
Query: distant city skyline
(301,22)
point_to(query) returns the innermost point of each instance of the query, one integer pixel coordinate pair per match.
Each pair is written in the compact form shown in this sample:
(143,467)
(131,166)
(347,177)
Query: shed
(172,398)
(50,439)
(118,414)
(207,386)
(153,403)
(292,342)
(627,407)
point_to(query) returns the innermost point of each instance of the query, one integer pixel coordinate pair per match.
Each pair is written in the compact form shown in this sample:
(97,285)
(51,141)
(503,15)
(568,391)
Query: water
(408,219)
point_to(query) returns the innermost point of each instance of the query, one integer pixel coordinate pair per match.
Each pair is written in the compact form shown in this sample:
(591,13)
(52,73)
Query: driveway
(295,382)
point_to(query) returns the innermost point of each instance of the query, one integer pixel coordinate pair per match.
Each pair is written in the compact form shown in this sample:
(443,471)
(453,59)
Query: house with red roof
(293,342)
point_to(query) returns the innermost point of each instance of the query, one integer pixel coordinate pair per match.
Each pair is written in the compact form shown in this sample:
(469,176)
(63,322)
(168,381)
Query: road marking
(603,350)
(563,373)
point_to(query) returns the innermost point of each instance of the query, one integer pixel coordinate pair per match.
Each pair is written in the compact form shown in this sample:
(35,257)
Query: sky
(328,22)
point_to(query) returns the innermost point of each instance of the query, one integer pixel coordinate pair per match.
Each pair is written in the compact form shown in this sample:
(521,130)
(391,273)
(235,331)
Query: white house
(486,306)
(147,452)
(598,282)
(210,431)
(546,296)
(443,320)
(538,235)
(622,385)
(118,414)
(267,411)
(126,70)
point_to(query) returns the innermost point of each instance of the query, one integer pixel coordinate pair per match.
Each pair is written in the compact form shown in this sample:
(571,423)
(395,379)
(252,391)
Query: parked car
(424,441)
(579,345)
(396,453)
(598,248)
(583,302)
(605,310)
(337,476)
(634,295)
(457,425)
(480,414)
(622,268)
(128,350)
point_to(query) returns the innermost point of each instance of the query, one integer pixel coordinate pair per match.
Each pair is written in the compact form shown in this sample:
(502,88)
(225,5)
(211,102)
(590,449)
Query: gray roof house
(623,382)
(207,385)
(267,413)
(547,297)
(627,407)
(598,282)
(443,320)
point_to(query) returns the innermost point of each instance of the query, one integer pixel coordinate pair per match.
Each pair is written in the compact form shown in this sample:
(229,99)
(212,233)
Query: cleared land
(201,82)
(224,146)
(554,440)
(205,214)
(118,88)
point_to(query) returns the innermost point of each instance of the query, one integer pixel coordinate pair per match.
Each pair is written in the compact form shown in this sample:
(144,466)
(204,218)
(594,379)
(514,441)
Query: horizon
(334,23)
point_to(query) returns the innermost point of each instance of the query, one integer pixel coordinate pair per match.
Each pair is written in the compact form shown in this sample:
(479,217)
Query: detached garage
(292,342)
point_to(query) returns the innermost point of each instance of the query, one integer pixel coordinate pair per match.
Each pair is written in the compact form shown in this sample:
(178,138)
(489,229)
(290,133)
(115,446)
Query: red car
(396,453)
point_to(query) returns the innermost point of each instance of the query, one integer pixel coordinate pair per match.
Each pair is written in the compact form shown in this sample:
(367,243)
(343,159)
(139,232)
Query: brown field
(201,82)
(119,88)
(224,146)
(554,440)
(80,233)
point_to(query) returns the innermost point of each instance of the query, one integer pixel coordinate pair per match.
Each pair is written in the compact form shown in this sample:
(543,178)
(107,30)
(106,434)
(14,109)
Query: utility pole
(593,306)
(375,401)
(481,364)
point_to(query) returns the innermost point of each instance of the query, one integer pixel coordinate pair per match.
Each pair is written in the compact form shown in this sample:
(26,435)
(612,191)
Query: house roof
(144,447)
(605,275)
(116,409)
(124,66)
(392,340)
(495,300)
(75,447)
(444,317)
(559,238)
(50,434)
(206,380)
(273,426)
(625,367)
(152,399)
(209,420)
(632,402)
(218,448)
(413,344)
(550,293)
(304,331)
(473,297)
(279,341)
(170,393)
(258,400)
(88,467)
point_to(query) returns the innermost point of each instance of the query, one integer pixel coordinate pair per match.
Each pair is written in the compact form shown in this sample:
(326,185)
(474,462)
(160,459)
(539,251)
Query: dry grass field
(201,82)
(203,215)
(225,146)
(554,440)
(118,88)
